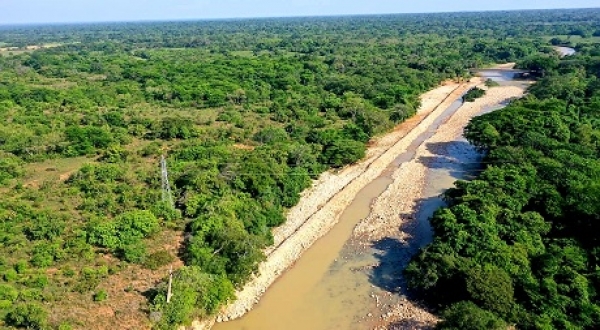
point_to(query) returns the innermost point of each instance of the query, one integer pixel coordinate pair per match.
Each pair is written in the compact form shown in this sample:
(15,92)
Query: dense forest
(518,246)
(247,113)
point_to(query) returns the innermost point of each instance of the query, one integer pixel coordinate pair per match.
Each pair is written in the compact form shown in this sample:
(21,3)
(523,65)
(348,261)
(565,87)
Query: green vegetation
(491,83)
(247,113)
(473,94)
(518,245)
(100,296)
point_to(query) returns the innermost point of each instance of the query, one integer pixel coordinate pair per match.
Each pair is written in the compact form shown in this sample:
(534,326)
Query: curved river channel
(334,283)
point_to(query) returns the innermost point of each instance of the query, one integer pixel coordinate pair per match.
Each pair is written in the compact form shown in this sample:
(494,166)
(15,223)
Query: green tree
(467,316)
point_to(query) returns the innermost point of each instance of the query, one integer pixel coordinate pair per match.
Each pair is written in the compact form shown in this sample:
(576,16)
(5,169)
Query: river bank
(407,205)
(322,204)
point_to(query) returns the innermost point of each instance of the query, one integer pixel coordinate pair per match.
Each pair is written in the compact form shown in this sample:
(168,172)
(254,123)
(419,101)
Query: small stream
(334,284)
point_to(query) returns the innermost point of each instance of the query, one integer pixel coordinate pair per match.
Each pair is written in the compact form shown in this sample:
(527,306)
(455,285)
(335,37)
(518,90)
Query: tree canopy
(248,113)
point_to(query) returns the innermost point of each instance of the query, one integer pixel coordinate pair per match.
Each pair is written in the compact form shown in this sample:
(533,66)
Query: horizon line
(241,18)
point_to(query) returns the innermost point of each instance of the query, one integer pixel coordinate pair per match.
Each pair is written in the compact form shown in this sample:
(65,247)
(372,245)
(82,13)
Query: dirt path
(322,204)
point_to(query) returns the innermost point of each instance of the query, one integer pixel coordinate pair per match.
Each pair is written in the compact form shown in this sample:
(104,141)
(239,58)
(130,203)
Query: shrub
(30,316)
(21,266)
(68,272)
(101,295)
(138,224)
(467,316)
(492,289)
(114,154)
(491,83)
(166,212)
(158,259)
(5,304)
(40,281)
(9,293)
(124,234)
(197,293)
(10,275)
(152,149)
(65,326)
(174,128)
(132,252)
(85,140)
(90,278)
(473,94)
(10,167)
(343,152)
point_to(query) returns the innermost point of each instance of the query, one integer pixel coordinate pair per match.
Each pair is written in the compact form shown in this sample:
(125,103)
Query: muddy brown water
(334,285)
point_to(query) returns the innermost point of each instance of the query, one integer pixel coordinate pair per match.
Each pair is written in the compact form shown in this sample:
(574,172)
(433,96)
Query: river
(341,284)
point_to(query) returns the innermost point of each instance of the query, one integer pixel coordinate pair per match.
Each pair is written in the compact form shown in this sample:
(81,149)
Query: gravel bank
(399,202)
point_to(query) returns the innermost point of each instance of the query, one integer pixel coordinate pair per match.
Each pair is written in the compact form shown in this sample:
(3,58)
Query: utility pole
(170,288)
(167,194)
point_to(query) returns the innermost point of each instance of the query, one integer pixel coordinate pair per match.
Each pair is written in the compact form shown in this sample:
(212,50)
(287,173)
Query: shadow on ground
(394,254)
(460,158)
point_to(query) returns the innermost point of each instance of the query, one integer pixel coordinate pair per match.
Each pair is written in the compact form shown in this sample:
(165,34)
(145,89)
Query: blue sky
(38,11)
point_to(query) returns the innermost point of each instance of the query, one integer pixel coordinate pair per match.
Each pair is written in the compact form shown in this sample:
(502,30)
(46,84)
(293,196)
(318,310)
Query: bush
(136,224)
(21,266)
(343,152)
(101,295)
(491,83)
(30,316)
(174,128)
(158,259)
(114,154)
(10,275)
(40,281)
(152,149)
(166,212)
(124,234)
(9,293)
(65,326)
(10,167)
(473,94)
(90,278)
(467,316)
(195,294)
(134,252)
(5,305)
(492,289)
(85,140)
(68,272)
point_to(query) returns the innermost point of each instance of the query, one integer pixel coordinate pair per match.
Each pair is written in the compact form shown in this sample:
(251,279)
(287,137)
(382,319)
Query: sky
(59,11)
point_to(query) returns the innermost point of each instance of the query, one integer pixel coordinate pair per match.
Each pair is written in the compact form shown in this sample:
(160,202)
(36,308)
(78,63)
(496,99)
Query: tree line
(517,246)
